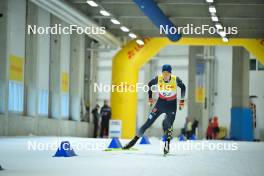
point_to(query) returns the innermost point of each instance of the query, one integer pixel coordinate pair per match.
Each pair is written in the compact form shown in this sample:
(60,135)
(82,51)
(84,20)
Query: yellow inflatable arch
(128,61)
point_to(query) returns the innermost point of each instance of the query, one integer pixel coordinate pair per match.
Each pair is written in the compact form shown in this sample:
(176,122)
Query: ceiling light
(125,29)
(222,33)
(140,42)
(114,21)
(104,13)
(92,3)
(225,39)
(131,35)
(218,26)
(212,9)
(210,1)
(214,18)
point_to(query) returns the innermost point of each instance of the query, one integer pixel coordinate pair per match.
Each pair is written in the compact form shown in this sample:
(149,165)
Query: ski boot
(166,149)
(168,135)
(131,143)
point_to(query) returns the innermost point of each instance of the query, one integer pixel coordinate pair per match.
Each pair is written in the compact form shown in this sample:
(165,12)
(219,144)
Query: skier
(166,103)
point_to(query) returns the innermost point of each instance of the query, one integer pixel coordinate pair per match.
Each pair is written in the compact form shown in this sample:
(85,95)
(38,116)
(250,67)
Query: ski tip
(113,149)
(119,149)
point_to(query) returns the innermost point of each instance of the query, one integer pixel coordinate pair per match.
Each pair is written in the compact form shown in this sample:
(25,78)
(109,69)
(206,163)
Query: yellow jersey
(167,90)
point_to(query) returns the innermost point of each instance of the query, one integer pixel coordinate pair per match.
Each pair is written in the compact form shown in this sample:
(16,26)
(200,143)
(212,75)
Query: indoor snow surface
(18,160)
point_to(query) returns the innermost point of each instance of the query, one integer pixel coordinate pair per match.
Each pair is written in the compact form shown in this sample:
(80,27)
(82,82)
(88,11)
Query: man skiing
(166,103)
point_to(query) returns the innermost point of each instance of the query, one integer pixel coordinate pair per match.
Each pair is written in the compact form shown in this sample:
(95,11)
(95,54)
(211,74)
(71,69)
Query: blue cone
(65,150)
(163,138)
(115,143)
(181,137)
(144,140)
(193,137)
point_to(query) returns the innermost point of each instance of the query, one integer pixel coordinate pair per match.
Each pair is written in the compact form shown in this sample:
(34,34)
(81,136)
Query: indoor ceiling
(246,15)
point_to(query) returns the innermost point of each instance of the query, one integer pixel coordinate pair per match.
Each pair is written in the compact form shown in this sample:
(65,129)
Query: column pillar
(59,73)
(3,58)
(93,79)
(241,115)
(37,63)
(195,110)
(76,75)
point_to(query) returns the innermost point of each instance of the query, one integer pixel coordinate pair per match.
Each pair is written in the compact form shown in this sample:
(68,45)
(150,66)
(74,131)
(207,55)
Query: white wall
(223,85)
(142,107)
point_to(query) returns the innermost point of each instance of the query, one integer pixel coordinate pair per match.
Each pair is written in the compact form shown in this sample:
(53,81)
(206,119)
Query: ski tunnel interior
(128,61)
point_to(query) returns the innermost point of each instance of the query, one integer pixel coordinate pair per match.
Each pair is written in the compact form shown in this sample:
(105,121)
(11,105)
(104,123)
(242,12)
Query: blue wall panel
(241,124)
